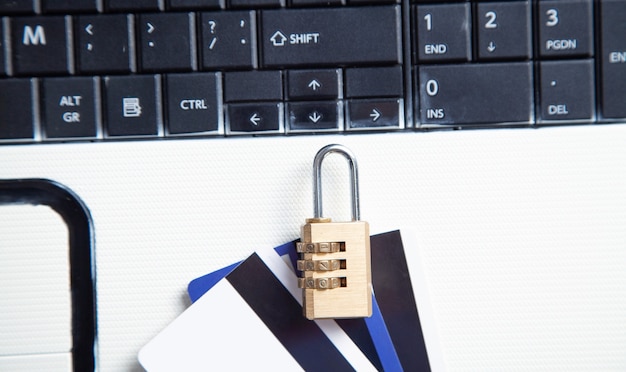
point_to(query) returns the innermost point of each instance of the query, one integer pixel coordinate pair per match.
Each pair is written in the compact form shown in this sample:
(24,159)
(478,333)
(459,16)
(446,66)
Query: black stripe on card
(282,314)
(394,293)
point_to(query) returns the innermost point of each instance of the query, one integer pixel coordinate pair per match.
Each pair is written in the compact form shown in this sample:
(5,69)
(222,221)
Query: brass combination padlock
(335,258)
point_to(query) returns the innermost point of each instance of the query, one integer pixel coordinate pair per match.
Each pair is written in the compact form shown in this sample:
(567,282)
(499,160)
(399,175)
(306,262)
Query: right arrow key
(374,114)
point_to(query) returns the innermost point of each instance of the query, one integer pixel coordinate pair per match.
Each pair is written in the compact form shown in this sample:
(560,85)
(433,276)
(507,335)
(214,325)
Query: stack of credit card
(249,315)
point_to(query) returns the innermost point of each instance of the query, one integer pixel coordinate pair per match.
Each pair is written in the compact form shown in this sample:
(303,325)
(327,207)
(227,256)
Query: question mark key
(228,39)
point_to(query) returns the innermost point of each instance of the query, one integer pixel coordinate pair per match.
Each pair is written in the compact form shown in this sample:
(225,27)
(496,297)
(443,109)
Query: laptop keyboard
(117,69)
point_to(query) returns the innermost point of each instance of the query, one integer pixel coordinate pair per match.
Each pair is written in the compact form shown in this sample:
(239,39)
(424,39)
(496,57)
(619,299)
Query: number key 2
(503,30)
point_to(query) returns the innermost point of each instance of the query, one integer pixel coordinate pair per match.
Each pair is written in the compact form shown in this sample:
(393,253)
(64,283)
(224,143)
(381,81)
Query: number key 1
(443,32)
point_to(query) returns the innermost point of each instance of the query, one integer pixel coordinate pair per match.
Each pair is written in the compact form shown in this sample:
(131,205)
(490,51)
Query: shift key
(476,93)
(327,36)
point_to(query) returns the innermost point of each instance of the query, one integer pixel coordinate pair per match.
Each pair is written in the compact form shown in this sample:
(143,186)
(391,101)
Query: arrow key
(313,84)
(375,114)
(249,118)
(313,116)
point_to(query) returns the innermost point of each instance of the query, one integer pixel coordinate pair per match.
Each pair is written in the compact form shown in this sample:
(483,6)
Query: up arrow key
(314,84)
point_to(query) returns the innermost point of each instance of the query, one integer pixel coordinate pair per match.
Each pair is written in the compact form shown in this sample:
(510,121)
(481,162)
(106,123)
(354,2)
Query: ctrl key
(193,104)
(16,109)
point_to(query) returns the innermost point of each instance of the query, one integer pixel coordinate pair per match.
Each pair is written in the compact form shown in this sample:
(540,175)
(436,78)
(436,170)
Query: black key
(567,90)
(313,84)
(192,102)
(504,30)
(299,3)
(69,6)
(69,107)
(313,116)
(373,114)
(443,32)
(328,36)
(17,6)
(374,82)
(613,59)
(16,109)
(102,44)
(2,66)
(476,93)
(565,28)
(360,2)
(195,4)
(125,5)
(255,3)
(253,86)
(227,40)
(254,117)
(165,41)
(39,45)
(132,105)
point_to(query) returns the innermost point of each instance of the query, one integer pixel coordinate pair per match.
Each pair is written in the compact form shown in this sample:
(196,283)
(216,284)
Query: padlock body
(353,299)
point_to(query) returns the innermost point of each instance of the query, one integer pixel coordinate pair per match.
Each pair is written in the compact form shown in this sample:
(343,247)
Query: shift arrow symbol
(278,39)
(255,119)
(315,117)
(375,115)
(314,84)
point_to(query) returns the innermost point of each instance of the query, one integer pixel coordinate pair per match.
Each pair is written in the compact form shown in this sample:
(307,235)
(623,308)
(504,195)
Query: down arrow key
(313,116)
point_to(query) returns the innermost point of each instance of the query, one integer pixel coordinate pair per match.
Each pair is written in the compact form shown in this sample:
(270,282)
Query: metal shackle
(317,179)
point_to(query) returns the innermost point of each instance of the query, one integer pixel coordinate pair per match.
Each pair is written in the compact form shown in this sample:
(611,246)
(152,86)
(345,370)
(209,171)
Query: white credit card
(248,320)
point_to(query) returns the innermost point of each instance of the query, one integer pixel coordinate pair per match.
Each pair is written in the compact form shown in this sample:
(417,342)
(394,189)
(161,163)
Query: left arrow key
(254,118)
